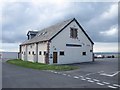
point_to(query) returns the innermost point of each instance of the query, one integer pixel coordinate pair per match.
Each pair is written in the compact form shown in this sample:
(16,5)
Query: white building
(62,43)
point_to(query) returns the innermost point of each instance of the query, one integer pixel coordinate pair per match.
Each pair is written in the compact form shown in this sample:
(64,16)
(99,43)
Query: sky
(99,20)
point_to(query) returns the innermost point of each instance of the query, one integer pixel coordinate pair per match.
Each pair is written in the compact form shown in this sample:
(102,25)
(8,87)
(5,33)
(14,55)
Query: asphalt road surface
(99,74)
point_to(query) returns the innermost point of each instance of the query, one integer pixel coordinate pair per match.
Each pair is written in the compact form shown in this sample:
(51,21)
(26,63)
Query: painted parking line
(81,76)
(111,86)
(76,77)
(105,82)
(88,78)
(116,85)
(51,71)
(58,73)
(96,80)
(93,73)
(90,81)
(83,79)
(110,75)
(69,75)
(64,74)
(55,72)
(100,83)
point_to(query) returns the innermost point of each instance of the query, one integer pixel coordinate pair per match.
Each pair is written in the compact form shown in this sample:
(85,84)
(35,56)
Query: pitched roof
(50,32)
(32,32)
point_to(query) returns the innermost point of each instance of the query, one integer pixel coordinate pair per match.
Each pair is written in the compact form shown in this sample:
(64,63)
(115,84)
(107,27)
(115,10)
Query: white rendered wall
(42,47)
(72,54)
(23,50)
(31,48)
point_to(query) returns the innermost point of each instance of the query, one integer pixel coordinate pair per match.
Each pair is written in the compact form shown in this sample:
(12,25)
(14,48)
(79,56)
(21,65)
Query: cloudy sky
(99,19)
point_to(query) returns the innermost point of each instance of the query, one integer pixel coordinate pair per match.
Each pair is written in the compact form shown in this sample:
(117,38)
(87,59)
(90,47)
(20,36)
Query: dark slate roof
(32,32)
(50,32)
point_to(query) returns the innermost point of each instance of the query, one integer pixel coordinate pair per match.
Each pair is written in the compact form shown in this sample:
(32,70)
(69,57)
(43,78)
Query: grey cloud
(19,17)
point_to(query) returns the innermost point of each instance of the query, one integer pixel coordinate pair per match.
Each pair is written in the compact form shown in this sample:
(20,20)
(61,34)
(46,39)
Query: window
(61,52)
(40,53)
(73,45)
(29,52)
(44,52)
(73,32)
(83,53)
(90,50)
(33,52)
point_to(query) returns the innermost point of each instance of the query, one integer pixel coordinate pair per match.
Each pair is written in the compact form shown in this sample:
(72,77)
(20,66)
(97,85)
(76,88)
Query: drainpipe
(36,52)
(93,54)
(48,50)
(19,54)
(26,53)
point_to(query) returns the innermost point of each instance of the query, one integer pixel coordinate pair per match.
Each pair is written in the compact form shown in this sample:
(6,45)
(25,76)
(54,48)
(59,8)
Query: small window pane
(83,53)
(73,32)
(61,52)
(44,52)
(90,50)
(39,52)
(33,52)
(29,52)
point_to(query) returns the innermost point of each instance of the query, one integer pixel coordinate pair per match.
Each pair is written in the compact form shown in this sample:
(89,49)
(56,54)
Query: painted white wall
(72,54)
(30,57)
(42,47)
(23,50)
(31,48)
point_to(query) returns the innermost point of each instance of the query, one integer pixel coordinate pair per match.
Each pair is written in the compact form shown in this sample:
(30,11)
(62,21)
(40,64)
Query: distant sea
(14,55)
(107,52)
(9,55)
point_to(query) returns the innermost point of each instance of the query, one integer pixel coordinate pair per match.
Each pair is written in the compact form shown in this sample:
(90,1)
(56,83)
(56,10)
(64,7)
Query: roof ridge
(52,30)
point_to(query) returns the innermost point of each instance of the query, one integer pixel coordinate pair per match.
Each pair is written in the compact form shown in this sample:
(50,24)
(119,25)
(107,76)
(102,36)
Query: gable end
(67,25)
(84,31)
(61,30)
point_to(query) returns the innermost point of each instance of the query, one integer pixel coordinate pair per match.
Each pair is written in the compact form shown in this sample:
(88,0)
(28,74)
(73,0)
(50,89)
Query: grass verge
(41,66)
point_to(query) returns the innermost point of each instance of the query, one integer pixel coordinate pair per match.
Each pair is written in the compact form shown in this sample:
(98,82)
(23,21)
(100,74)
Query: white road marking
(81,76)
(88,78)
(64,74)
(68,75)
(109,75)
(90,81)
(83,79)
(52,71)
(55,72)
(76,77)
(93,73)
(105,82)
(96,80)
(116,85)
(59,73)
(100,83)
(111,86)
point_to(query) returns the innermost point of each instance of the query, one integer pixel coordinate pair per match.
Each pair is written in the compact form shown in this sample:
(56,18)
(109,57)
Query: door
(54,57)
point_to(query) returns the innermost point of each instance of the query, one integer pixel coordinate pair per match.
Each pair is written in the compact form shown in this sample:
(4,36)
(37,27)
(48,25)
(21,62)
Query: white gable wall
(72,54)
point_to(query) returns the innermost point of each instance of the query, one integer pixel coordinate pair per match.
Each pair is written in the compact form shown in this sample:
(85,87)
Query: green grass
(41,66)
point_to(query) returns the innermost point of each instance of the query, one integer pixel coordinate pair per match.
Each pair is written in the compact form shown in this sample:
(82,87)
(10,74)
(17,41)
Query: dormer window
(31,34)
(73,33)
